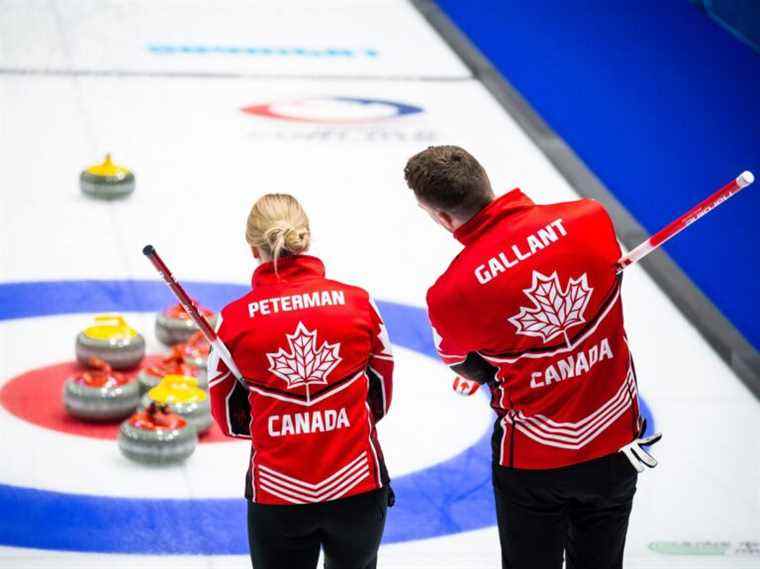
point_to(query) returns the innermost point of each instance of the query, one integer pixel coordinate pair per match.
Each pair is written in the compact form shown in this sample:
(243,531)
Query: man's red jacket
(532,307)
(317,361)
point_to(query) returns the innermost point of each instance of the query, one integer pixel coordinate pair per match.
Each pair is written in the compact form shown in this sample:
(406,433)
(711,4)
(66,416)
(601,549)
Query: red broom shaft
(678,225)
(184,299)
(180,293)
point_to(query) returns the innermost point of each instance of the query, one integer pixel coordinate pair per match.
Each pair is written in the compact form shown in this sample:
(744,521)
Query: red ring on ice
(36,397)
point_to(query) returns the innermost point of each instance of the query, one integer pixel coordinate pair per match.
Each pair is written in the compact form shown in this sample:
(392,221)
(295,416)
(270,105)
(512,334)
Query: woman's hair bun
(296,240)
(283,236)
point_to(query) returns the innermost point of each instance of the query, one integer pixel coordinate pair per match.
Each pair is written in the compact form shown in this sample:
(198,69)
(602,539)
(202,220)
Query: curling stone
(156,435)
(173,364)
(196,352)
(185,397)
(174,326)
(107,180)
(112,340)
(100,394)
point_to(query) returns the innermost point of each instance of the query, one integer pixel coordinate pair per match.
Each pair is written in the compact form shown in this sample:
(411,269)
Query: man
(531,307)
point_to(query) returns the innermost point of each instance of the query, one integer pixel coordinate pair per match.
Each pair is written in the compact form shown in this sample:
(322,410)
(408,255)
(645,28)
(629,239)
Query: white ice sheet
(200,162)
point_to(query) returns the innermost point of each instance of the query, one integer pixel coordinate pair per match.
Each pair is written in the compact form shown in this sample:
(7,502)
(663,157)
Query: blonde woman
(318,366)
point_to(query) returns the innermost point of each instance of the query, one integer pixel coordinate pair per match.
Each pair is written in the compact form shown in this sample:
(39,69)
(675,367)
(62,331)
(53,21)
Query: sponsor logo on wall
(707,548)
(340,119)
(264,51)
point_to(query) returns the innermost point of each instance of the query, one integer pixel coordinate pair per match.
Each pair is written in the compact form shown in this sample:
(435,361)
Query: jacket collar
(289,269)
(494,212)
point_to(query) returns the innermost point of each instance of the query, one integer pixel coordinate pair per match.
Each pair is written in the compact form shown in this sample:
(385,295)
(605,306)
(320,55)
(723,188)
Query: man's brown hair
(448,178)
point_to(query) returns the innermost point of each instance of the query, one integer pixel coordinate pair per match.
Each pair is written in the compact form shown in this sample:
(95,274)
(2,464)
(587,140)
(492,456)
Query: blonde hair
(278,225)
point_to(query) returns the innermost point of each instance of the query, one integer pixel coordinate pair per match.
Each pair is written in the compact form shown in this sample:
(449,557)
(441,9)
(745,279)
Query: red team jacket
(532,306)
(317,360)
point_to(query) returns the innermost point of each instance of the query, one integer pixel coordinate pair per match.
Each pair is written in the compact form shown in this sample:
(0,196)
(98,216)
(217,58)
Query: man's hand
(465,387)
(635,452)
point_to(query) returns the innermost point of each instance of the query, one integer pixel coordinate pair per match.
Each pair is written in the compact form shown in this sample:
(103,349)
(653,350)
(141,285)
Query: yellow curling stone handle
(107,168)
(177,389)
(110,326)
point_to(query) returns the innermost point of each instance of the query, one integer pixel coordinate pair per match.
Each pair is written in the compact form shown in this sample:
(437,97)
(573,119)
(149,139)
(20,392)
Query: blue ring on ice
(449,497)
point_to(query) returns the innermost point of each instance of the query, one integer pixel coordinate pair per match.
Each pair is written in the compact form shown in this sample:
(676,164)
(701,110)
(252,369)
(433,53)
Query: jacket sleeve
(229,400)
(453,342)
(380,368)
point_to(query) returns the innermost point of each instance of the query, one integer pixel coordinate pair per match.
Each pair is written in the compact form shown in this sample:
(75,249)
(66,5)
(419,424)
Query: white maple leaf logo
(304,364)
(554,311)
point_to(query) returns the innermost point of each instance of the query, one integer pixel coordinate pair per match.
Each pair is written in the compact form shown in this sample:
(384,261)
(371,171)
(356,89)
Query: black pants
(581,510)
(290,537)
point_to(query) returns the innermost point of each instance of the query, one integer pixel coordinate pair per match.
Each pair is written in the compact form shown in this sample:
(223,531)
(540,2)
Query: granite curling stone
(112,340)
(107,180)
(174,326)
(157,435)
(196,352)
(100,394)
(186,399)
(173,364)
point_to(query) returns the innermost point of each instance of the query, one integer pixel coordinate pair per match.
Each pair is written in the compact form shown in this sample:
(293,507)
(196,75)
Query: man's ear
(445,220)
(440,217)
